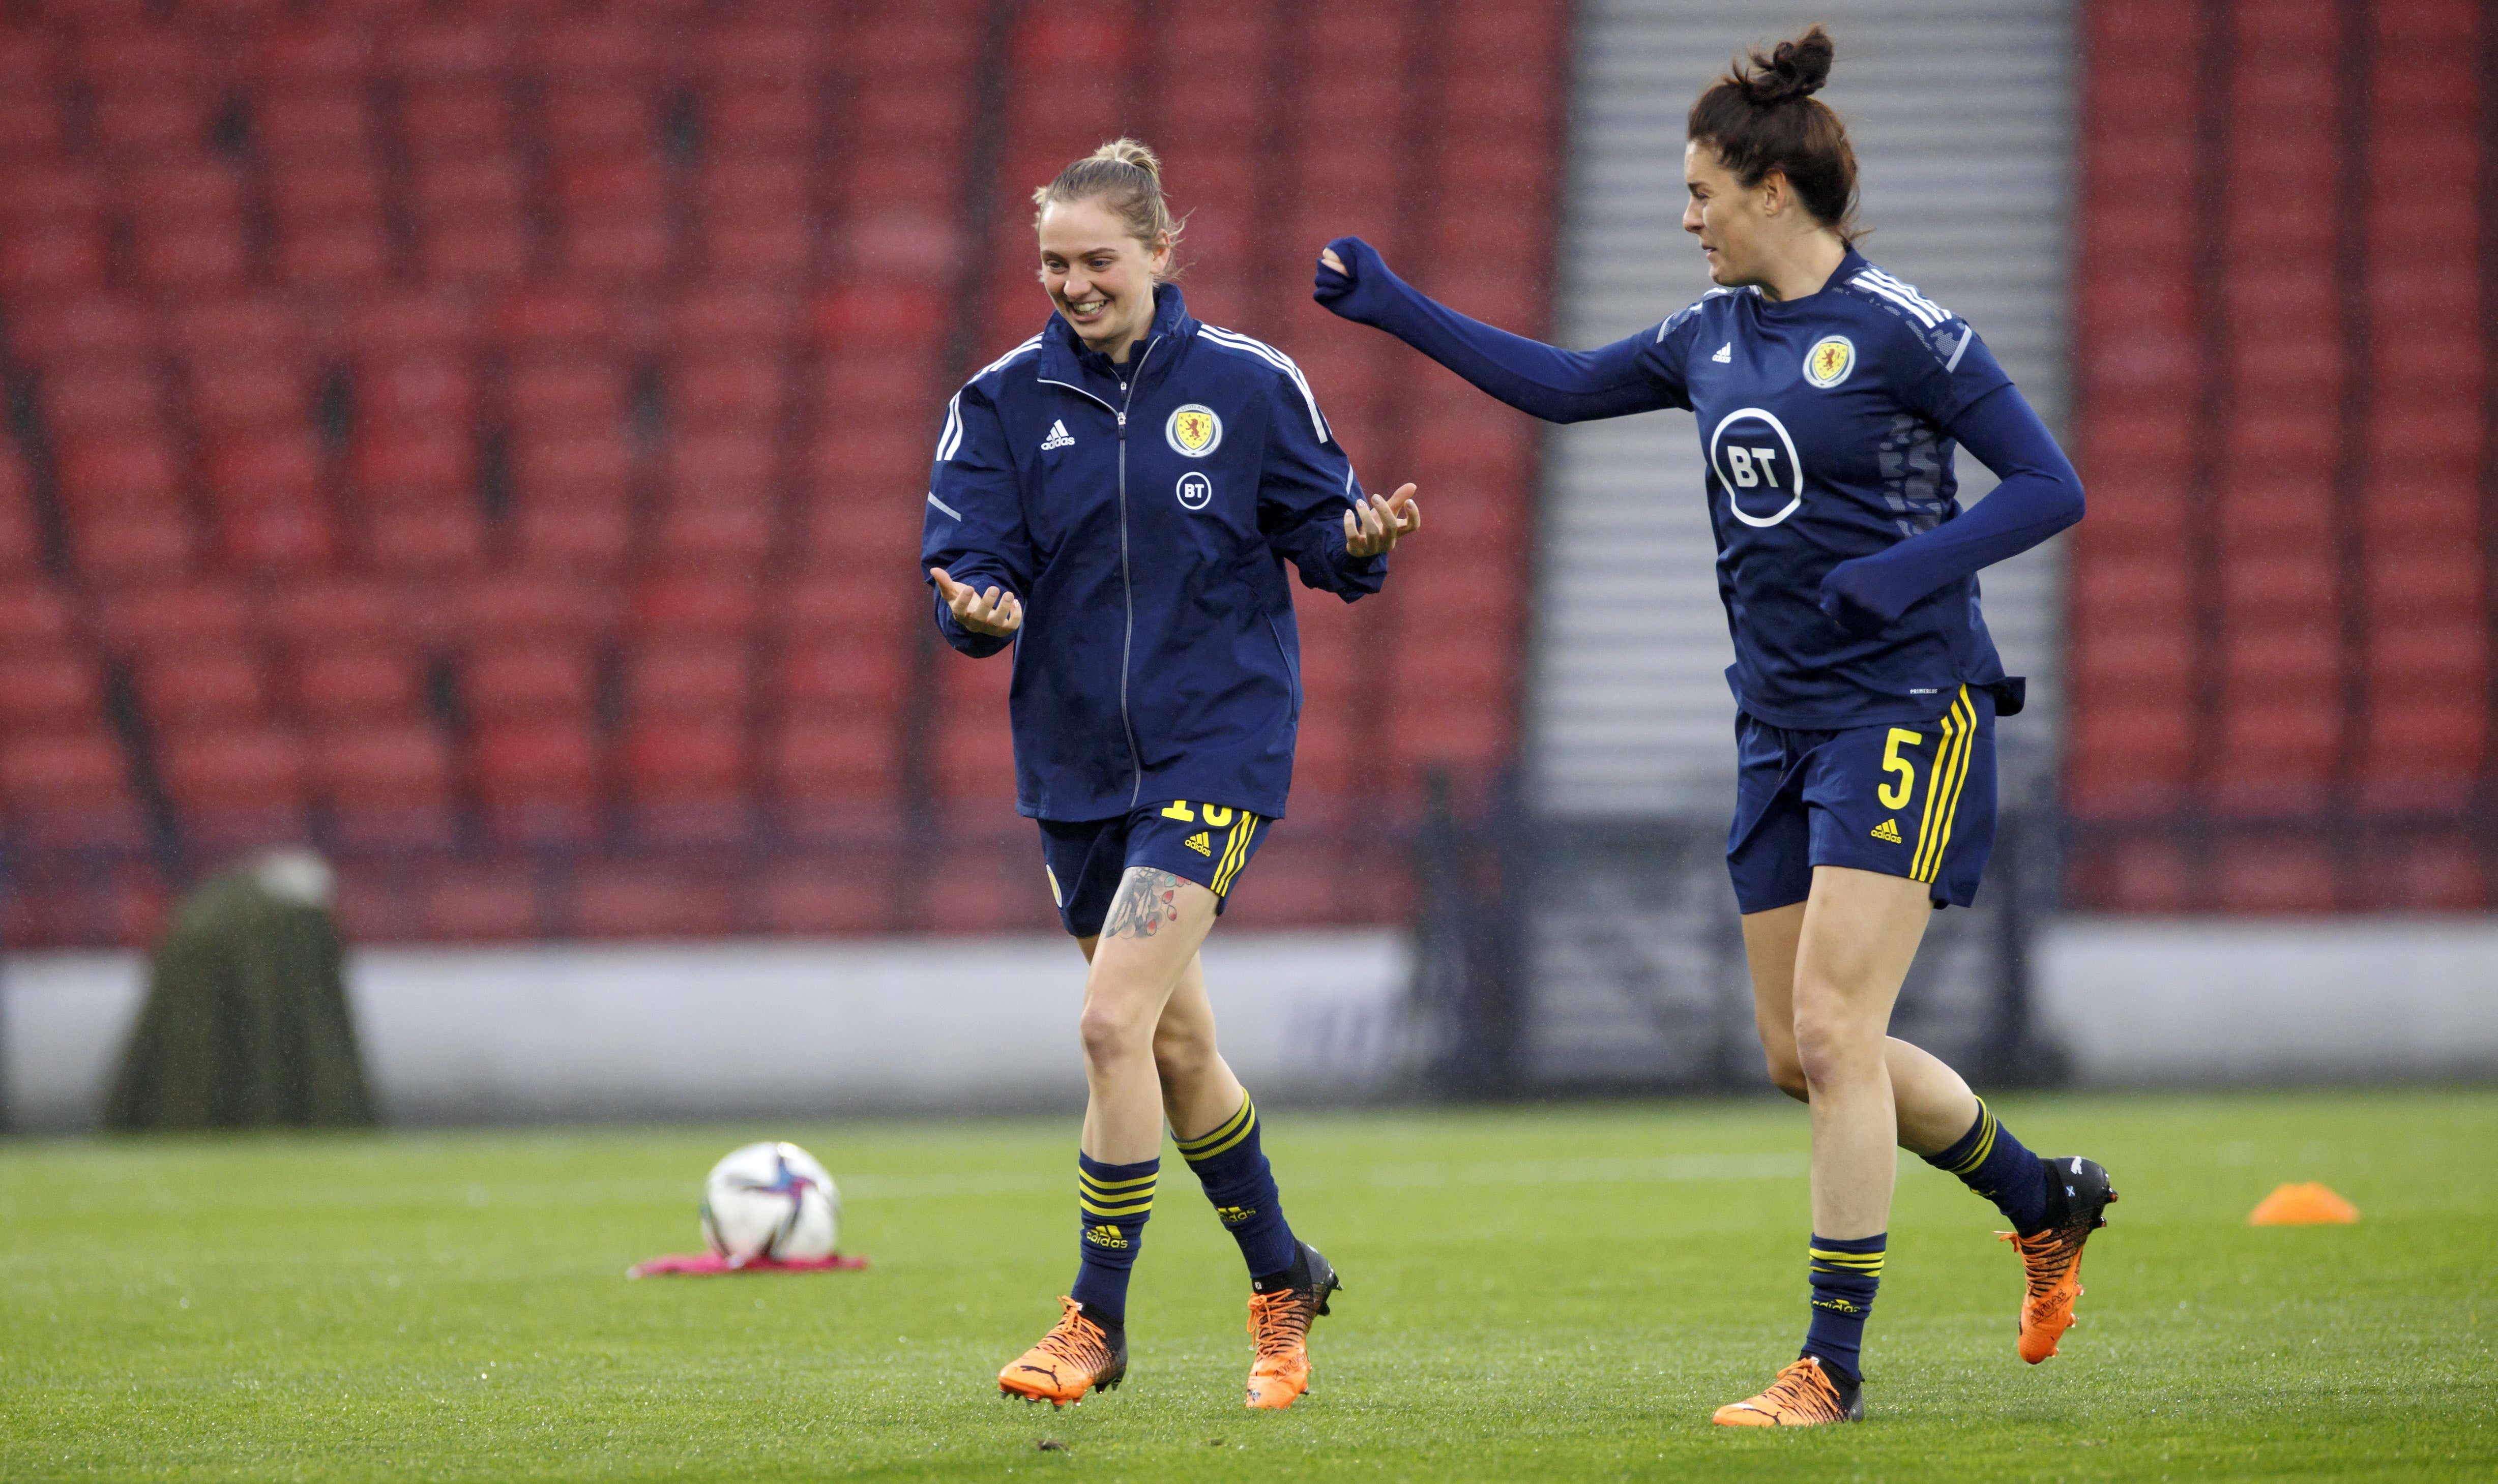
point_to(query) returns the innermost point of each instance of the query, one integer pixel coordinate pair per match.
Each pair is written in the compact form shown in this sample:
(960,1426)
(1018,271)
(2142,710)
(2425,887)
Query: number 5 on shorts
(1892,762)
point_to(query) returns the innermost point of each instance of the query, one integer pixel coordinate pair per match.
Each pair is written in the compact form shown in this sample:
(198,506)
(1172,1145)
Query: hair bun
(1795,69)
(1128,151)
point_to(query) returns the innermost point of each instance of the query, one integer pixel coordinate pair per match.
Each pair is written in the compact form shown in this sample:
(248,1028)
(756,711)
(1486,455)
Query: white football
(770,1200)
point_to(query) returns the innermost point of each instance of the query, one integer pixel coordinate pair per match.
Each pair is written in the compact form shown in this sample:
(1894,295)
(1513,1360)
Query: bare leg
(1861,931)
(1199,1090)
(1156,925)
(1934,1104)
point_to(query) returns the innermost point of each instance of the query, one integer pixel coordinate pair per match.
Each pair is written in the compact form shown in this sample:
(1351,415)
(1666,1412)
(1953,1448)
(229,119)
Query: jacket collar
(1064,357)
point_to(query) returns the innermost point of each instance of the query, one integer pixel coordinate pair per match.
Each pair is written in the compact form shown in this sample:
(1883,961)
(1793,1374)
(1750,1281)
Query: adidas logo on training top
(1201,842)
(1725,353)
(1058,437)
(1887,830)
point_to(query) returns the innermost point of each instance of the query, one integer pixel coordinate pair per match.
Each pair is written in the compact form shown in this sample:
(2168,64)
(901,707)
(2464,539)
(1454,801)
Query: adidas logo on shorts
(1201,843)
(1888,830)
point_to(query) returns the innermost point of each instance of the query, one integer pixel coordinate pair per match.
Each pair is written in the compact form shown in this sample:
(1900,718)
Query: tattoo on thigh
(1147,900)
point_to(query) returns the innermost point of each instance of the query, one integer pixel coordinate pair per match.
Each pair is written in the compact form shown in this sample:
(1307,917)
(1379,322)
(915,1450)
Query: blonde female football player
(1115,499)
(1830,396)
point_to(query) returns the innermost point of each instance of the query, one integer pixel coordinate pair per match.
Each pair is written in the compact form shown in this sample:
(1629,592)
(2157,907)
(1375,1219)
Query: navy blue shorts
(1206,844)
(1903,801)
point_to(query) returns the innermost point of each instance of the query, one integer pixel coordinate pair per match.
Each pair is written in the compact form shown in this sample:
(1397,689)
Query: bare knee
(1786,1074)
(1830,1043)
(1110,1032)
(1181,1056)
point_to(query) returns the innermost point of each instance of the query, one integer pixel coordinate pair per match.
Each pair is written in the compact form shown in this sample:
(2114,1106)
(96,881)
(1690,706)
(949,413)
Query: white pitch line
(1591,1170)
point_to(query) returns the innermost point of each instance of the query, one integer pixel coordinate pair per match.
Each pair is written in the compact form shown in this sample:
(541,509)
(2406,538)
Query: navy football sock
(1112,1202)
(1994,1164)
(1232,1168)
(1844,1274)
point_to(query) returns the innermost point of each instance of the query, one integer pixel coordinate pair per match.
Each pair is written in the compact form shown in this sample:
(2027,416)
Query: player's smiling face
(1725,216)
(1101,277)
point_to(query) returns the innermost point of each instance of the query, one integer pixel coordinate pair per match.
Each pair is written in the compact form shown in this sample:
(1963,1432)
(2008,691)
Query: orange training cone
(2309,1204)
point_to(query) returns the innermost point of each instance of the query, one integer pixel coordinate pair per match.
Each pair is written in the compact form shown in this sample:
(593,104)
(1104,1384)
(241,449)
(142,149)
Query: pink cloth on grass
(707,1264)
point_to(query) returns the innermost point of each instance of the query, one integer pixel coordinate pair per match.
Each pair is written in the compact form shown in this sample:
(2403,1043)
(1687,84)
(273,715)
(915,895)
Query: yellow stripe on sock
(1133,1208)
(1118,1184)
(1985,1140)
(1228,1130)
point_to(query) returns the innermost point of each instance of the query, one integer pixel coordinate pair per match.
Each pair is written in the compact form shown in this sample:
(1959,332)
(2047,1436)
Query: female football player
(1112,497)
(1829,397)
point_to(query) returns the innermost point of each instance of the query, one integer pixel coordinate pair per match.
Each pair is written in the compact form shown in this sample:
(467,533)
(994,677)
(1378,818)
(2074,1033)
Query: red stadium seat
(2434,872)
(203,689)
(587,535)
(646,901)
(428,463)
(539,780)
(743,394)
(726,320)
(714,537)
(386,785)
(104,399)
(832,777)
(681,607)
(351,615)
(553,398)
(139,544)
(70,789)
(835,677)
(501,610)
(178,618)
(727,467)
(34,619)
(513,682)
(341,687)
(492,904)
(2294,876)
(676,679)
(235,786)
(836,898)
(50,259)
(579,465)
(311,123)
(50,692)
(439,538)
(687,777)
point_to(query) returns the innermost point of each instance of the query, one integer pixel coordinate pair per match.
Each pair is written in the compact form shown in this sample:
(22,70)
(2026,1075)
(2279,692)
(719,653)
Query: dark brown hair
(1761,117)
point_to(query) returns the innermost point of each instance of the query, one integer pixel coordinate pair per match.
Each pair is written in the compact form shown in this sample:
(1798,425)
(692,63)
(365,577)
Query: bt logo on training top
(1755,463)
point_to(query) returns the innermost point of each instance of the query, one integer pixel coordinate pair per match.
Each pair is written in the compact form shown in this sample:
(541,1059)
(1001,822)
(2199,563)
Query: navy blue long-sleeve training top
(1144,514)
(1845,561)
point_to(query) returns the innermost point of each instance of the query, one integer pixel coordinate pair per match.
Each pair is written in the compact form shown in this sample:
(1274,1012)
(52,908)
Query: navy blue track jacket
(1143,513)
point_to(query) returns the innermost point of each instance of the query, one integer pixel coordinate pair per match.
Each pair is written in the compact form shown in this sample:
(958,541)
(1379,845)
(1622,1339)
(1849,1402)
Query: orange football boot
(2077,1201)
(1075,1355)
(1803,1396)
(1279,1324)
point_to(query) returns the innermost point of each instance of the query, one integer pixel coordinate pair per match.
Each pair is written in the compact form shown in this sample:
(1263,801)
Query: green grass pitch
(1533,1293)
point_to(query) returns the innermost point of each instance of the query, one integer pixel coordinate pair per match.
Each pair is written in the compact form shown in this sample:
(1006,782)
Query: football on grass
(770,1200)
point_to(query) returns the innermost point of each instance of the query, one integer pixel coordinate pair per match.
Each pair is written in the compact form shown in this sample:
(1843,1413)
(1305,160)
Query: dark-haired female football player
(1829,397)
(1116,497)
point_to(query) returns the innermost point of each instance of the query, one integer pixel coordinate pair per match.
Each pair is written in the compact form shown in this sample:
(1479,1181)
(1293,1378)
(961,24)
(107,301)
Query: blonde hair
(1125,176)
